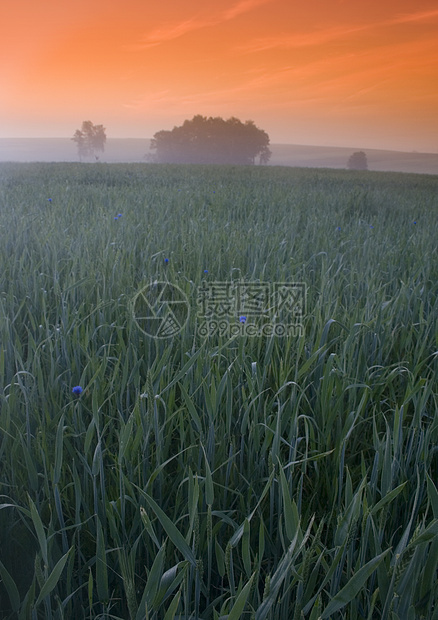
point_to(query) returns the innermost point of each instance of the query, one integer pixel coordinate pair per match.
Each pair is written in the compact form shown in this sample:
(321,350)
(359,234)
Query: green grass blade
(240,602)
(101,565)
(246,552)
(387,499)
(59,444)
(11,588)
(349,591)
(174,534)
(171,611)
(239,532)
(432,494)
(53,578)
(152,583)
(169,581)
(290,510)
(209,489)
(39,528)
(276,581)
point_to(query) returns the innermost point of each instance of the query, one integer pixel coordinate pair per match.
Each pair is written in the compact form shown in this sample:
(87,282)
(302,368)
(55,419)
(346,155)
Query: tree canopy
(90,139)
(212,140)
(358,161)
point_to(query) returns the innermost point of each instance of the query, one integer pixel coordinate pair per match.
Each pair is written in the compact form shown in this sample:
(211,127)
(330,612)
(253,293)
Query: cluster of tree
(90,139)
(201,140)
(358,161)
(211,140)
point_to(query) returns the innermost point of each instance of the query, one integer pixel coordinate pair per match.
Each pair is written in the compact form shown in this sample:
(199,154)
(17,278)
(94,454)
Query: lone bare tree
(90,139)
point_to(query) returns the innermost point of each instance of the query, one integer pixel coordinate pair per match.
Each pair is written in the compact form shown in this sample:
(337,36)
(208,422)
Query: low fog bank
(137,150)
(64,149)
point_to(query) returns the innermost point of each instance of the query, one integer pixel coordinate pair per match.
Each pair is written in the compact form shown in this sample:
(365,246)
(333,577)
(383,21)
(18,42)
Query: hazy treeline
(211,140)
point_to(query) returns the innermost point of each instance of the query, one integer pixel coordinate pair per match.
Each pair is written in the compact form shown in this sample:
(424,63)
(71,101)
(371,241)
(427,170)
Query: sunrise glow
(321,73)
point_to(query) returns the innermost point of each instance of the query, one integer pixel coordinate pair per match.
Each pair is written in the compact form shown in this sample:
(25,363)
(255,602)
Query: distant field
(337,157)
(135,150)
(159,459)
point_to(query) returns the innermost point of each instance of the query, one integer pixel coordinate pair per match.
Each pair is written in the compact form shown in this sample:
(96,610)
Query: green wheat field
(217,476)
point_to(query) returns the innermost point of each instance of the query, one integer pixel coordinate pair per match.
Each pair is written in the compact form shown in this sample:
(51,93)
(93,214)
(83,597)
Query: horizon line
(324,146)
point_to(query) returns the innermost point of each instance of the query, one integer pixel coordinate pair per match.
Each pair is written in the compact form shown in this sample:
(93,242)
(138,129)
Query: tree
(90,139)
(211,140)
(358,161)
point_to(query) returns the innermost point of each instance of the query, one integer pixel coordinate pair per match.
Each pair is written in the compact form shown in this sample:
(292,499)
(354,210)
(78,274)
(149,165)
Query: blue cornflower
(415,222)
(77,390)
(242,319)
(119,215)
(115,217)
(338,228)
(166,260)
(49,199)
(205,270)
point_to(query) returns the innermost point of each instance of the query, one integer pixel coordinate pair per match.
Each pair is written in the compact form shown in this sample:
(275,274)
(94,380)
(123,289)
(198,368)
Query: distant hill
(137,150)
(337,157)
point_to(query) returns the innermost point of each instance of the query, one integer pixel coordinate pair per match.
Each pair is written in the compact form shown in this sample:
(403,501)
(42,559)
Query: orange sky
(338,72)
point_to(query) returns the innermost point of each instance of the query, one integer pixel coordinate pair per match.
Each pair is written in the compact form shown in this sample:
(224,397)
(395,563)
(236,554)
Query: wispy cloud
(168,33)
(177,29)
(404,18)
(325,35)
(242,7)
(332,85)
(173,31)
(302,39)
(253,88)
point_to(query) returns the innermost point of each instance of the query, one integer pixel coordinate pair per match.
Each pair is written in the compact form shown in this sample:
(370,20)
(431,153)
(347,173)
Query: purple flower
(242,319)
(77,390)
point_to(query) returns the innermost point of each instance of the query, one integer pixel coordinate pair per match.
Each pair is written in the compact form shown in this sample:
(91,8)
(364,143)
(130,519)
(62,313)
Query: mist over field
(135,150)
